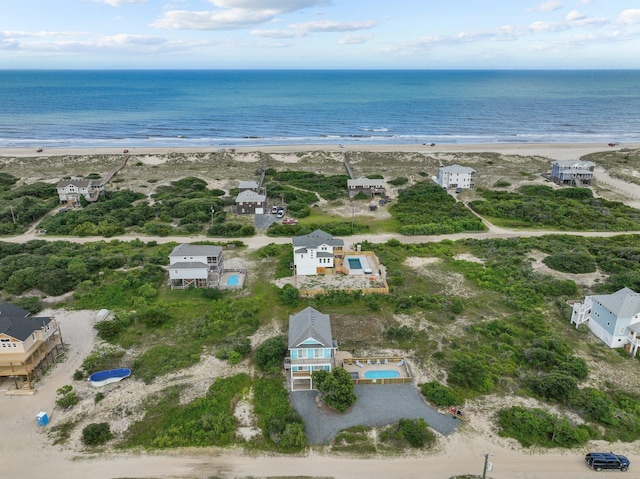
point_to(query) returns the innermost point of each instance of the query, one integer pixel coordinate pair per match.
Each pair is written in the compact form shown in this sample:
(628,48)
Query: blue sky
(352,34)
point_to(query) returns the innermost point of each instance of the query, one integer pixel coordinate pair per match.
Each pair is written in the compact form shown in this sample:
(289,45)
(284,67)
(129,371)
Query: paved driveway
(376,406)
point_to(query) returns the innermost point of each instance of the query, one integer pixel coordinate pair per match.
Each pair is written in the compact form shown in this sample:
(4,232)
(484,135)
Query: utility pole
(13,216)
(486,465)
(353,212)
(212,212)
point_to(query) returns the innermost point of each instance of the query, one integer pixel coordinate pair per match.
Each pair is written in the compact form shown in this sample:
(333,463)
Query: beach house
(316,253)
(614,318)
(197,266)
(572,172)
(311,347)
(28,346)
(365,186)
(456,176)
(70,190)
(249,202)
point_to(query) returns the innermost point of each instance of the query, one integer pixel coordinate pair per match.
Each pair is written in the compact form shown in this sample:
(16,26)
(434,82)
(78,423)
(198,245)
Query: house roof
(9,310)
(78,182)
(248,184)
(21,328)
(574,164)
(189,265)
(457,169)
(624,303)
(365,182)
(309,323)
(186,249)
(315,239)
(249,196)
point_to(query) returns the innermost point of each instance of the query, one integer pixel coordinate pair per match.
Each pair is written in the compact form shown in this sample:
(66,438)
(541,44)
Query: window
(621,330)
(318,353)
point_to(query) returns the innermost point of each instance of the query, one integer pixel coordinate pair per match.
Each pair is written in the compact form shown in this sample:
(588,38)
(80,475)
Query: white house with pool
(201,266)
(316,253)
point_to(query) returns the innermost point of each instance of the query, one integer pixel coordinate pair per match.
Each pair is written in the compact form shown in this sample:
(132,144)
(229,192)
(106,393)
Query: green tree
(270,354)
(335,387)
(289,295)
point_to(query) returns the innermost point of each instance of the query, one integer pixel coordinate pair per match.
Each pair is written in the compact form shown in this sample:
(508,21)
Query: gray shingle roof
(249,196)
(457,169)
(574,164)
(315,239)
(248,184)
(18,326)
(365,182)
(189,265)
(186,249)
(9,310)
(77,182)
(624,303)
(309,323)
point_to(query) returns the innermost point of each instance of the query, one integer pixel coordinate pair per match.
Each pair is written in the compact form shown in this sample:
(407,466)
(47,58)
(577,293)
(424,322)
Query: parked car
(382,202)
(599,461)
(289,221)
(280,214)
(280,208)
(274,210)
(458,190)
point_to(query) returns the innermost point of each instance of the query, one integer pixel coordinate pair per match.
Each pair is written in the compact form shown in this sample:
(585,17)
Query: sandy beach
(559,151)
(461,453)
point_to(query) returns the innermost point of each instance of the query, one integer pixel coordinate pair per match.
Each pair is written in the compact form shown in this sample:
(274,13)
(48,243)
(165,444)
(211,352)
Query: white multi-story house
(311,347)
(456,176)
(199,266)
(572,172)
(72,189)
(27,345)
(316,252)
(614,318)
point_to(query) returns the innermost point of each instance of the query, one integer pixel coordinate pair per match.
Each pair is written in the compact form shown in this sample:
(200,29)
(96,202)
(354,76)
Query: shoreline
(560,151)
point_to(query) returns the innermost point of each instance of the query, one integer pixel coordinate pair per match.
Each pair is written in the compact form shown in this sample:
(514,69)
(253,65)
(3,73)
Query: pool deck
(360,366)
(224,280)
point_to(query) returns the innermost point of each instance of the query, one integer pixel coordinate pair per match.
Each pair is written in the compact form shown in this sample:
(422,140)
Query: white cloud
(355,39)
(117,3)
(232,14)
(574,15)
(279,6)
(549,6)
(216,20)
(629,17)
(298,30)
(587,2)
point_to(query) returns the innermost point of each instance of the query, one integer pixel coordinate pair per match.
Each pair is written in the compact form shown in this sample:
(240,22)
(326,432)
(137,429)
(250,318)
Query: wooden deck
(378,363)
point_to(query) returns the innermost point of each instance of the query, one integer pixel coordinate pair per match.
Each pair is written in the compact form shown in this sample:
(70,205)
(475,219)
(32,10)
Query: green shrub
(399,181)
(569,262)
(67,397)
(96,433)
(470,372)
(270,354)
(555,386)
(439,394)
(536,427)
(289,295)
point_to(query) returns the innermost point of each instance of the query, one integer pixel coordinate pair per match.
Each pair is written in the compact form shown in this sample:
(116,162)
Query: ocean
(258,107)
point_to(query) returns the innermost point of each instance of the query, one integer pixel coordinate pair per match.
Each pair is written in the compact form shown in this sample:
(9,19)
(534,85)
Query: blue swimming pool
(383,374)
(233,280)
(354,263)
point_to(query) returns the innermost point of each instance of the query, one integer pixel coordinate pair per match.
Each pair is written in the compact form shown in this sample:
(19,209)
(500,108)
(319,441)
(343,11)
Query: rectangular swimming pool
(233,280)
(383,374)
(354,263)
